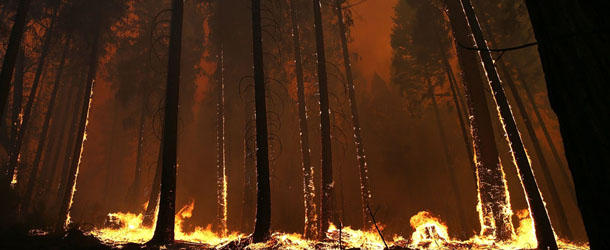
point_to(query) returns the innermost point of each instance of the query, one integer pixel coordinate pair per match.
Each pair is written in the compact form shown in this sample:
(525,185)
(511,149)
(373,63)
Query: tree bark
(45,128)
(493,199)
(68,195)
(263,194)
(365,192)
(327,207)
(164,231)
(10,57)
(572,43)
(310,228)
(544,231)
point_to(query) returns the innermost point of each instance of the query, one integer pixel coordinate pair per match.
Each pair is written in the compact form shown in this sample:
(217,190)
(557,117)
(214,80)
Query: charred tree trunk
(447,155)
(45,127)
(493,199)
(164,231)
(310,229)
(17,100)
(556,200)
(153,200)
(572,42)
(10,57)
(221,175)
(16,147)
(134,193)
(542,223)
(263,193)
(327,206)
(72,176)
(365,191)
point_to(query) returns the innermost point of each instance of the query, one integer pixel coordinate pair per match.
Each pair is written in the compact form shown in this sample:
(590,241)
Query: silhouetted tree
(572,38)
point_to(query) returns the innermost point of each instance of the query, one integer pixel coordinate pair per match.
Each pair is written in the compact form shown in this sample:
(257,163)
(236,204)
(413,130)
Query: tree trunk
(16,147)
(68,194)
(572,42)
(310,228)
(164,231)
(221,175)
(556,200)
(365,191)
(17,100)
(544,231)
(153,200)
(134,194)
(263,193)
(493,199)
(448,160)
(327,207)
(10,57)
(45,127)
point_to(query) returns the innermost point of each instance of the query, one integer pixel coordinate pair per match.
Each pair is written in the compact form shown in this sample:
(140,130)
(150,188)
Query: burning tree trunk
(494,205)
(221,175)
(572,42)
(544,230)
(164,231)
(153,200)
(308,183)
(10,57)
(365,191)
(327,206)
(72,175)
(263,193)
(45,127)
(450,165)
(16,147)
(556,201)
(133,195)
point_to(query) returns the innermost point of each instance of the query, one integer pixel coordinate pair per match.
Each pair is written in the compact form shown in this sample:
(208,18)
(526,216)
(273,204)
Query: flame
(430,232)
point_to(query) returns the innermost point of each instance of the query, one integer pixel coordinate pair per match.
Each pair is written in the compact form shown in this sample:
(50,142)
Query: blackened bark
(572,43)
(10,57)
(134,193)
(68,194)
(263,193)
(327,206)
(164,231)
(544,231)
(45,128)
(17,99)
(310,229)
(221,175)
(365,191)
(491,183)
(155,190)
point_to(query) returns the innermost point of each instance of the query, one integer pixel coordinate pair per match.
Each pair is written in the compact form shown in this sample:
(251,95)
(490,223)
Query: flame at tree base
(429,233)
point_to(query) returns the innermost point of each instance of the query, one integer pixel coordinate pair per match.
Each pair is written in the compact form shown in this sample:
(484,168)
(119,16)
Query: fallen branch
(375,223)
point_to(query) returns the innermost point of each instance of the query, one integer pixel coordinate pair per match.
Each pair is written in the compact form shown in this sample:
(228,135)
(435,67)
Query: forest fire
(303,124)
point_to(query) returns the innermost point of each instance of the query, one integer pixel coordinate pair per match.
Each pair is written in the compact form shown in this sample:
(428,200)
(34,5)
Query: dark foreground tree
(164,231)
(10,57)
(573,45)
(491,184)
(263,192)
(544,231)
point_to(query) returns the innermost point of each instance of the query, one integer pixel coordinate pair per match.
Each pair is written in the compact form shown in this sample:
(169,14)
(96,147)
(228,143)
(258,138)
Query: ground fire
(304,124)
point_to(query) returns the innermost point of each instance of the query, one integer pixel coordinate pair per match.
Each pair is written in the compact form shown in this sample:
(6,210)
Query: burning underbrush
(430,232)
